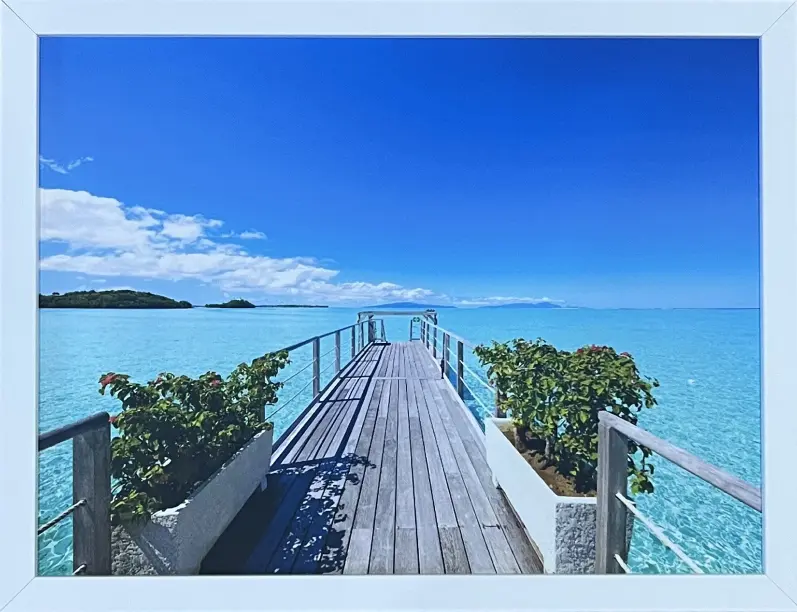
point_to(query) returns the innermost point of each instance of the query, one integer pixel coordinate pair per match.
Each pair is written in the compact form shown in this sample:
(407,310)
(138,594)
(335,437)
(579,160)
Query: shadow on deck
(385,474)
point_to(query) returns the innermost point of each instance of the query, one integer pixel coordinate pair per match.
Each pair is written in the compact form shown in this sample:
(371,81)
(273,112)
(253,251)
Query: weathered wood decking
(385,474)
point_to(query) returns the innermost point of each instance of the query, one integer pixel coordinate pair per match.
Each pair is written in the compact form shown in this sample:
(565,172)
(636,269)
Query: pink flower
(112,420)
(215,383)
(107,380)
(624,354)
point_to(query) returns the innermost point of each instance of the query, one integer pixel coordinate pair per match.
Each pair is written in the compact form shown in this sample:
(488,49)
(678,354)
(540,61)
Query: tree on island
(119,298)
(238,303)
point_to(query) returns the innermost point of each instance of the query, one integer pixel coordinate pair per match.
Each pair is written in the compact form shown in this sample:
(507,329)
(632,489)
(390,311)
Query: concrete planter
(562,528)
(175,541)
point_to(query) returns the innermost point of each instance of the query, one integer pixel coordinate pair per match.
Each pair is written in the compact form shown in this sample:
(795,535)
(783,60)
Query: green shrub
(556,395)
(176,431)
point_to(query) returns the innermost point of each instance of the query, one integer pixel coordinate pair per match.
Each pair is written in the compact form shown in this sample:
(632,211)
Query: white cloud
(106,238)
(63,168)
(187,228)
(252,235)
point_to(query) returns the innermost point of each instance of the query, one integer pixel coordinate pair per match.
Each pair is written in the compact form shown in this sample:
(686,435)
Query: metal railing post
(434,344)
(610,539)
(382,325)
(444,366)
(316,366)
(337,351)
(460,369)
(353,341)
(91,481)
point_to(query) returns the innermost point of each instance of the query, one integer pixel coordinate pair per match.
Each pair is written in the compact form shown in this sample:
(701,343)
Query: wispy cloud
(252,235)
(247,235)
(63,168)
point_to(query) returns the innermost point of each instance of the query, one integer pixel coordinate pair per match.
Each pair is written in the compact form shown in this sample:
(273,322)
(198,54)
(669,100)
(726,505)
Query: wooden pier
(385,473)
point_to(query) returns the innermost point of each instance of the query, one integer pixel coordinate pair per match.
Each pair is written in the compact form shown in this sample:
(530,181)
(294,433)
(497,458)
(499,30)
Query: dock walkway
(385,473)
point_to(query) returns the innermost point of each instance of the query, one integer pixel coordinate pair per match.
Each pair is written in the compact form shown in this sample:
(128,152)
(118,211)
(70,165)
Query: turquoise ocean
(707,361)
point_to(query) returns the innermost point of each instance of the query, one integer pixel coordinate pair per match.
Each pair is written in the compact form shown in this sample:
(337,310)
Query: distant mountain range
(416,306)
(526,305)
(413,305)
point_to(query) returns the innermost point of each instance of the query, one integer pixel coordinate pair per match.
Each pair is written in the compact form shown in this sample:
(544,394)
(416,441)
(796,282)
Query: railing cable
(290,400)
(54,521)
(656,531)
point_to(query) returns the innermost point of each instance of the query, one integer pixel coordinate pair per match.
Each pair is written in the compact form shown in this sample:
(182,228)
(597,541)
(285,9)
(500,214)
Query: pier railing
(354,338)
(614,434)
(91,492)
(91,450)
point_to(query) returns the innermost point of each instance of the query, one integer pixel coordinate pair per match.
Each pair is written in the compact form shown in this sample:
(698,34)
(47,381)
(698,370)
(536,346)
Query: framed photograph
(409,304)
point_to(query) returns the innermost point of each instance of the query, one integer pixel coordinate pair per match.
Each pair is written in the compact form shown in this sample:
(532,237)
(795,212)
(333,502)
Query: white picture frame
(22,22)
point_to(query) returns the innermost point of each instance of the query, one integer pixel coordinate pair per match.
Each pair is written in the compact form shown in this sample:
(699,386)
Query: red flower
(107,380)
(579,351)
(215,383)
(112,420)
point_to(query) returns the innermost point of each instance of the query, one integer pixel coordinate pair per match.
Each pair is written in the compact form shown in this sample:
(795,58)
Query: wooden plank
(284,557)
(279,522)
(455,418)
(359,554)
(336,544)
(405,501)
(429,553)
(454,557)
(381,369)
(406,561)
(435,408)
(320,431)
(501,553)
(309,558)
(303,435)
(366,505)
(476,548)
(476,492)
(352,410)
(383,546)
(444,510)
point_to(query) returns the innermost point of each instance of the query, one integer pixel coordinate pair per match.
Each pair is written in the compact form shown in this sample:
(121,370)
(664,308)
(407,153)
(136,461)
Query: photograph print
(399,306)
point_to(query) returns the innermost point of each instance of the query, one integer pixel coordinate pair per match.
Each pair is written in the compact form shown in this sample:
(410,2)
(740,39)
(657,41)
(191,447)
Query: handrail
(722,480)
(67,432)
(91,492)
(91,474)
(614,435)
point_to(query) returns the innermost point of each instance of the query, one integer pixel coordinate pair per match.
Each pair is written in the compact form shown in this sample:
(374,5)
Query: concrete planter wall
(176,540)
(563,528)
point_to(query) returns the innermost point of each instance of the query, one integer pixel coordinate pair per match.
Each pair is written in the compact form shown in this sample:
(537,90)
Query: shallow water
(707,362)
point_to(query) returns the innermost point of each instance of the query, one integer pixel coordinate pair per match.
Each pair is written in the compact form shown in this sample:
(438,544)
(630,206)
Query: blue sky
(602,173)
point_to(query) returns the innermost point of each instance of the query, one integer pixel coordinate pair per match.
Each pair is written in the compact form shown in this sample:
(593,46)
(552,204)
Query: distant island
(290,306)
(409,305)
(232,304)
(120,298)
(526,305)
